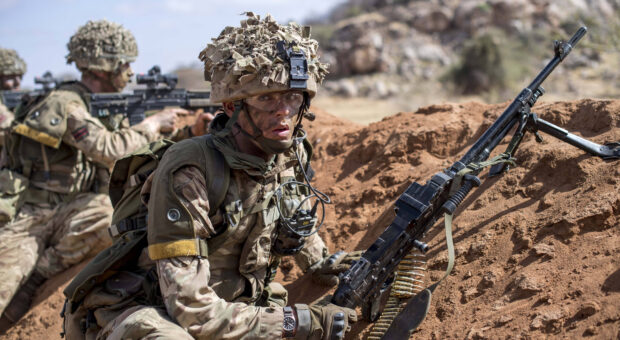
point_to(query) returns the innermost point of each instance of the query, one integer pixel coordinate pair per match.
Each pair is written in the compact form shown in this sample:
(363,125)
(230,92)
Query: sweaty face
(11,82)
(121,77)
(273,113)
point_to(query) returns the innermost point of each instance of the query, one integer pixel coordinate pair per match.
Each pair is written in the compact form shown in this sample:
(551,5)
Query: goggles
(272,102)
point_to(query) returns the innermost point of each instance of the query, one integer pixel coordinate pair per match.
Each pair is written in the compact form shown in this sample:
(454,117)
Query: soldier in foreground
(54,208)
(207,269)
(12,69)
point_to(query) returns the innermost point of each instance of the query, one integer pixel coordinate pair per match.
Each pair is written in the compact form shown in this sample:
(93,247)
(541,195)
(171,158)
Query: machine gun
(13,98)
(154,97)
(366,282)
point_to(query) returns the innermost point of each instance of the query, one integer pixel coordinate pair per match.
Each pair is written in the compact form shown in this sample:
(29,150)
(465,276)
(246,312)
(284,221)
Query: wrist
(304,321)
(289,325)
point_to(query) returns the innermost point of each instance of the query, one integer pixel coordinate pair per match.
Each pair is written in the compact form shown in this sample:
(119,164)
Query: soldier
(54,204)
(207,269)
(12,69)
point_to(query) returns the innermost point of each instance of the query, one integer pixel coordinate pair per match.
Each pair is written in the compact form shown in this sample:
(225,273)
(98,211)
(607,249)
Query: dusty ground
(537,248)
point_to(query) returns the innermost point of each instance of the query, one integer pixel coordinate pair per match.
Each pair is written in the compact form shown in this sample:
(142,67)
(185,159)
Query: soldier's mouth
(282,131)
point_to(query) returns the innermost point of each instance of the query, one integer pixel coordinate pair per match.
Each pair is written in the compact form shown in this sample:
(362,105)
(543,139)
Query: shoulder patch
(80,133)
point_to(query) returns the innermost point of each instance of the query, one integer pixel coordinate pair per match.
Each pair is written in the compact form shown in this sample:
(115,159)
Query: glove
(328,321)
(326,271)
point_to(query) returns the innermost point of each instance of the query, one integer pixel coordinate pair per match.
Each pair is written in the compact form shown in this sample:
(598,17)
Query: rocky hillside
(383,48)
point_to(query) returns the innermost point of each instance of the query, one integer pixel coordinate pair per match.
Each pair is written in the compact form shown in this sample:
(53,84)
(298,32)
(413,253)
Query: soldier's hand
(326,271)
(328,321)
(165,120)
(201,125)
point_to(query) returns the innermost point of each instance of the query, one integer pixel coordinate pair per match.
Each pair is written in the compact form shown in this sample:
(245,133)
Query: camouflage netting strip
(10,63)
(102,46)
(240,54)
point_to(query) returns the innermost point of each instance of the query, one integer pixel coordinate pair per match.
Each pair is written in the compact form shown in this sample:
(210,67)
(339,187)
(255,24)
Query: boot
(20,304)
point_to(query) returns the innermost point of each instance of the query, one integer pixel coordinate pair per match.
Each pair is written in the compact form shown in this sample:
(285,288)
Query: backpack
(128,228)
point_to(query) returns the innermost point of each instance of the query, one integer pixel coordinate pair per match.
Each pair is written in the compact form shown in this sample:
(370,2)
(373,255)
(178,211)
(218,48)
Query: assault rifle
(367,281)
(154,97)
(13,98)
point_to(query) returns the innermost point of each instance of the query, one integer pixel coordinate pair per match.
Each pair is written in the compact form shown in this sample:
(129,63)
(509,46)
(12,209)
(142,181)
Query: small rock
(477,334)
(468,274)
(476,250)
(503,320)
(469,294)
(542,249)
(590,331)
(489,279)
(526,286)
(549,321)
(588,309)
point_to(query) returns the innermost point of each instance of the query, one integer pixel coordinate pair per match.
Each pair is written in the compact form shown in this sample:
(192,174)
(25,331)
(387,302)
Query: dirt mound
(537,248)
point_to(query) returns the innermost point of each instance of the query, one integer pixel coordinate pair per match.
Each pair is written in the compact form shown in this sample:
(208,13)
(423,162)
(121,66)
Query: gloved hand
(328,321)
(326,271)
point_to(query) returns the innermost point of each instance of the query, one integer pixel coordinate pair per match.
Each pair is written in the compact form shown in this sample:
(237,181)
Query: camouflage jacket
(216,296)
(63,149)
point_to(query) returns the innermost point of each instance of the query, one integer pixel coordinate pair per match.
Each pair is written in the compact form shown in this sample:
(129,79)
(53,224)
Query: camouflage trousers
(50,240)
(113,317)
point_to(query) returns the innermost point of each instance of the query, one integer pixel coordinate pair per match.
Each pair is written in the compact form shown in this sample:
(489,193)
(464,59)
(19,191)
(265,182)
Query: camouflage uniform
(10,65)
(214,271)
(63,155)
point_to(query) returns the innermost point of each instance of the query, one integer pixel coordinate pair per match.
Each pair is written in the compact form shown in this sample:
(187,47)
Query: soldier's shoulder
(65,97)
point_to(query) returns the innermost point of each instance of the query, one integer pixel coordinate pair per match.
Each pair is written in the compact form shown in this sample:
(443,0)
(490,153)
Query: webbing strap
(471,167)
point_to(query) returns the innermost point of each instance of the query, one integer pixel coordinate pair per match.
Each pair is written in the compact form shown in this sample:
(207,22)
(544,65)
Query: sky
(170,33)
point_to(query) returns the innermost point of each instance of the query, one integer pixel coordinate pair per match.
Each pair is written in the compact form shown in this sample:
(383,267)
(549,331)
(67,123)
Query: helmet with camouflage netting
(101,46)
(259,57)
(10,63)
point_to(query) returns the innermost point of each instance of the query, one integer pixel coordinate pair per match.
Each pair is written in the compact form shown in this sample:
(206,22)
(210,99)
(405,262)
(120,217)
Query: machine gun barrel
(525,100)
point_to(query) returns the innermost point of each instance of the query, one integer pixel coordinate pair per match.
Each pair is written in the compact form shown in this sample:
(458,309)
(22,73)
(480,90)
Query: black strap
(128,224)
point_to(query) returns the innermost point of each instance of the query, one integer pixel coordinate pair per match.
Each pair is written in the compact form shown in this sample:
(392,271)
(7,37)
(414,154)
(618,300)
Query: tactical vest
(55,170)
(130,215)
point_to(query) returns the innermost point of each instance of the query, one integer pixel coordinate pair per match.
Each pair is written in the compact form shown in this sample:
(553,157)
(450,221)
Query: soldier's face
(122,76)
(273,113)
(10,82)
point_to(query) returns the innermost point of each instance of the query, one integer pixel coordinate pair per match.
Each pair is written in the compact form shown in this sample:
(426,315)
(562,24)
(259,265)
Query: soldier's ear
(229,108)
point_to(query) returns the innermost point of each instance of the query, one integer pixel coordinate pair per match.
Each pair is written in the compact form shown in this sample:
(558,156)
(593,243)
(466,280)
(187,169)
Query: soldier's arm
(313,251)
(184,281)
(101,145)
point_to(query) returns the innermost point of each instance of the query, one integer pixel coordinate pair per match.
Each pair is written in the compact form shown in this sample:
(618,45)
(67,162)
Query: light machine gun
(366,282)
(12,99)
(135,105)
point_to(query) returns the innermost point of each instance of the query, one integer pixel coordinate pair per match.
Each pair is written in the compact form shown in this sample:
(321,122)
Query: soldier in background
(54,208)
(208,267)
(12,69)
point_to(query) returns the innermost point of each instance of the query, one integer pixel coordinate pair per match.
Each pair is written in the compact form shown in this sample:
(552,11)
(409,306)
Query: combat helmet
(256,58)
(10,63)
(101,46)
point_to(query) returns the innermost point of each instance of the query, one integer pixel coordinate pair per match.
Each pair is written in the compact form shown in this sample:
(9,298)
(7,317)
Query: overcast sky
(169,33)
